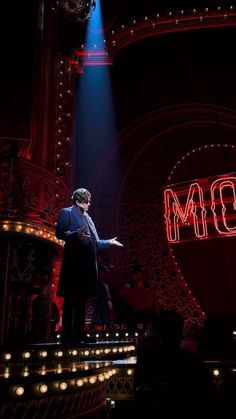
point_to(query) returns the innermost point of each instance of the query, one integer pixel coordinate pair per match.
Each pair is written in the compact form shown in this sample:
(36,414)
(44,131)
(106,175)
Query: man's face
(85,205)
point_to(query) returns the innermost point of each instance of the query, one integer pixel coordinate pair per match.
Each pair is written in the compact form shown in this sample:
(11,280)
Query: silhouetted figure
(45,316)
(226,395)
(191,339)
(170,382)
(139,278)
(217,339)
(103,308)
(217,343)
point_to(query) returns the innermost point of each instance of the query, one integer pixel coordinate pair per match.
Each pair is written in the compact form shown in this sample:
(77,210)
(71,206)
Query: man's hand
(115,242)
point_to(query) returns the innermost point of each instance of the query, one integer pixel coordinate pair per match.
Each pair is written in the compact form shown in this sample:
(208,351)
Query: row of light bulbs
(64,115)
(58,369)
(30,229)
(158,16)
(175,21)
(65,384)
(90,380)
(26,355)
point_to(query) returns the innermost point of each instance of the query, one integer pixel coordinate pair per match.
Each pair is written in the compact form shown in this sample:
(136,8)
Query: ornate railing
(30,193)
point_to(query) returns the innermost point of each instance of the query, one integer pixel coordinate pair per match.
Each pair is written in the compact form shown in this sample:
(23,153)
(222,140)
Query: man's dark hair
(81,195)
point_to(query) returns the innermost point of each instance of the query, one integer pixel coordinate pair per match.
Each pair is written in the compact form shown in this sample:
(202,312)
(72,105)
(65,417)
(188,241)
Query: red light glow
(201,209)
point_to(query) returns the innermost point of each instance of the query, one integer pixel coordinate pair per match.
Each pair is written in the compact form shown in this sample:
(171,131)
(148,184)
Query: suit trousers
(73,319)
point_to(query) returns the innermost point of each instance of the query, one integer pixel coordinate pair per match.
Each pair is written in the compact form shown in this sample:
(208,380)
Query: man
(78,277)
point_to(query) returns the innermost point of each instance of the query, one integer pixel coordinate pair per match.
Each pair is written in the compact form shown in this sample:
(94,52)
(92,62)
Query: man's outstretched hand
(115,242)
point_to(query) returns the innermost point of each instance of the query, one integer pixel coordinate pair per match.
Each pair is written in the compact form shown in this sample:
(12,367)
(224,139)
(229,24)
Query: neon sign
(201,209)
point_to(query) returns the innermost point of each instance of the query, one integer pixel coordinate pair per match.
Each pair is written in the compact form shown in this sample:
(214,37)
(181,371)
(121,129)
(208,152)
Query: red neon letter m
(177,214)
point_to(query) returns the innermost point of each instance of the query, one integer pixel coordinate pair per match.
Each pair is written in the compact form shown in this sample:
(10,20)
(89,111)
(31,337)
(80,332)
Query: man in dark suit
(78,276)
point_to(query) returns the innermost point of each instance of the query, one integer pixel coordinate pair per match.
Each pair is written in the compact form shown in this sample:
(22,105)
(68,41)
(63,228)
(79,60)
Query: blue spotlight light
(95,118)
(96,23)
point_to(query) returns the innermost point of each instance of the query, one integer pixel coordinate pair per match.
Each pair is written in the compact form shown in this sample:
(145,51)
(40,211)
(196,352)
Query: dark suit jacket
(78,276)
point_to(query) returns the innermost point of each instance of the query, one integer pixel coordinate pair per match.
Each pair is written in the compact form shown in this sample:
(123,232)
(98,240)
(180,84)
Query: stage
(91,380)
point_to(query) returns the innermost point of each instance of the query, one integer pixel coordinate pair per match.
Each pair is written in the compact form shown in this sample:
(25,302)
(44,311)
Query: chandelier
(77,10)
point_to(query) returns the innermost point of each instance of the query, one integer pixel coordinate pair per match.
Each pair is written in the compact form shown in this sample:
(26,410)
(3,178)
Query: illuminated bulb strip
(63,385)
(169,180)
(164,23)
(30,229)
(189,20)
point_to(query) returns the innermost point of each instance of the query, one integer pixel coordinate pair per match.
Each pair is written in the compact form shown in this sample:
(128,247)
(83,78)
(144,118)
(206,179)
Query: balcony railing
(30,193)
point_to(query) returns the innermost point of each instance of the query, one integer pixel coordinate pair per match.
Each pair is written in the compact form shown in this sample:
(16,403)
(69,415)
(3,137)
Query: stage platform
(52,380)
(91,380)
